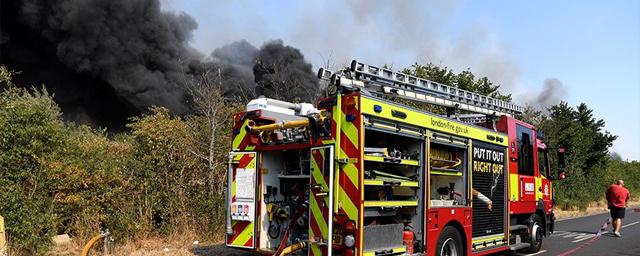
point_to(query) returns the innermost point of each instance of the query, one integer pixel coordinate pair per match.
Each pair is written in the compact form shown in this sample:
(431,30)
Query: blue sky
(591,47)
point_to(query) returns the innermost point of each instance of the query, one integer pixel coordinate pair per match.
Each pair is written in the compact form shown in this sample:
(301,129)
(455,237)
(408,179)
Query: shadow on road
(217,250)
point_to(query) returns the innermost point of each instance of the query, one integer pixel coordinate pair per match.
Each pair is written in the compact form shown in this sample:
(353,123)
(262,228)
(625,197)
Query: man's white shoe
(617,234)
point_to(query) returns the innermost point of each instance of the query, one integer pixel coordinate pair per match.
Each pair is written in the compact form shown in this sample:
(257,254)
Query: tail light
(350,227)
(344,235)
(350,231)
(349,252)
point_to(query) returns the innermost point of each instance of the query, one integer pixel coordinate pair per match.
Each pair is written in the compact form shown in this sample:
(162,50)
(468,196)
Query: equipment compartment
(448,169)
(285,193)
(393,188)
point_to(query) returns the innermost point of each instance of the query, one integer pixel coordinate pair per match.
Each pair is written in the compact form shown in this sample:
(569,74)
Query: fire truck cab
(359,174)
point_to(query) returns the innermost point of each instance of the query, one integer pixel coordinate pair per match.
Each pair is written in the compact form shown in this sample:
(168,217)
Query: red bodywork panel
(439,217)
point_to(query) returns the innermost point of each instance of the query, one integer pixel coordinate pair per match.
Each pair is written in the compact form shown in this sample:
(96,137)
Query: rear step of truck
(518,246)
(513,228)
(518,243)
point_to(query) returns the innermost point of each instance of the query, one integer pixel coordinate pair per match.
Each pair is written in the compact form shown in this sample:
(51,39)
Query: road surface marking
(580,236)
(583,237)
(558,233)
(630,224)
(531,254)
(576,236)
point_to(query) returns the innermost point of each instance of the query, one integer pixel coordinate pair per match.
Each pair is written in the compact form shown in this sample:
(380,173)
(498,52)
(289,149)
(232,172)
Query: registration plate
(338,235)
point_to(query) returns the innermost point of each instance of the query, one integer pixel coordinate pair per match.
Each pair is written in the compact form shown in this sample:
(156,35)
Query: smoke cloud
(398,33)
(106,60)
(278,68)
(552,92)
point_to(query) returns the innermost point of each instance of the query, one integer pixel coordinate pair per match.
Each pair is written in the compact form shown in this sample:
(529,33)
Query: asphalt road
(578,237)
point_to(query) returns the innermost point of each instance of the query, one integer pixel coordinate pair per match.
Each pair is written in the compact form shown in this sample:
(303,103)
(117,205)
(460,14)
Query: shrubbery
(57,177)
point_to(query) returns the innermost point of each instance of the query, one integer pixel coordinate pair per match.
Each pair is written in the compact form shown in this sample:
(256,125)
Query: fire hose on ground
(107,246)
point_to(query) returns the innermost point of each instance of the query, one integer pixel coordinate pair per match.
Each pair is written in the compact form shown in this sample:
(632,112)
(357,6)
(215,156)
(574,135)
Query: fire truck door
(526,171)
(241,200)
(321,201)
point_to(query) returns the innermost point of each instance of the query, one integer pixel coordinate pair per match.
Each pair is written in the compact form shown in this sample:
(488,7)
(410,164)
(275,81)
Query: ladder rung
(414,85)
(473,118)
(445,102)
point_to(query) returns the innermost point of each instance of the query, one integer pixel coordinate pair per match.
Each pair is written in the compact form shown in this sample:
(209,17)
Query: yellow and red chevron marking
(319,204)
(350,180)
(241,138)
(242,230)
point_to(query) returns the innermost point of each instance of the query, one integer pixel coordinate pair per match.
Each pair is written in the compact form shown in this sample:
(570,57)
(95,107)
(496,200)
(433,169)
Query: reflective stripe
(389,203)
(394,251)
(319,205)
(350,143)
(514,186)
(352,173)
(242,140)
(430,121)
(243,230)
(244,236)
(538,188)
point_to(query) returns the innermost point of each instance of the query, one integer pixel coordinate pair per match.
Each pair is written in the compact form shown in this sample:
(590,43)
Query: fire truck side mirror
(561,164)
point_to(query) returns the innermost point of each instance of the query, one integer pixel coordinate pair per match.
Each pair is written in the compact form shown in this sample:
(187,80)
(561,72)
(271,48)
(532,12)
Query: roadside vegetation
(165,174)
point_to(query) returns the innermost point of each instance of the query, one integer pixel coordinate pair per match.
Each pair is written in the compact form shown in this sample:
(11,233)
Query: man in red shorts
(617,197)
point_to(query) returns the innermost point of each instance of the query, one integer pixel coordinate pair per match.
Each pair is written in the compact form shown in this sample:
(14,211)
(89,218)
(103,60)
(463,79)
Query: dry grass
(593,208)
(177,244)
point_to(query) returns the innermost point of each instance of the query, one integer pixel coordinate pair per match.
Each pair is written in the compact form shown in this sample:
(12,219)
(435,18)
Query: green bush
(31,132)
(164,176)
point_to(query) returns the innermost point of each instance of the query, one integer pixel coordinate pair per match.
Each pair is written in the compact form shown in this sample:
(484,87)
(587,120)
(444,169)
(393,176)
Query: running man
(617,197)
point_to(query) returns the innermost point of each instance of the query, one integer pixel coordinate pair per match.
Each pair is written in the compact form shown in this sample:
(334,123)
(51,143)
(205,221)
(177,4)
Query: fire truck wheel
(449,243)
(536,235)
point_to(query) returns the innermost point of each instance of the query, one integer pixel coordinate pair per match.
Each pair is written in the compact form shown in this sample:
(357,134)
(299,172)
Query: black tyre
(536,234)
(449,243)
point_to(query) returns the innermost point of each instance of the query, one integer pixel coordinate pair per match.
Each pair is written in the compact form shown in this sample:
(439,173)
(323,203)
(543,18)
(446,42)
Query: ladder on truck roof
(378,80)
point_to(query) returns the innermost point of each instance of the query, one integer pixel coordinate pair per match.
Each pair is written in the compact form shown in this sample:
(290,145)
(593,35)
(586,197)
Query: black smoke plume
(102,59)
(232,63)
(281,72)
(106,60)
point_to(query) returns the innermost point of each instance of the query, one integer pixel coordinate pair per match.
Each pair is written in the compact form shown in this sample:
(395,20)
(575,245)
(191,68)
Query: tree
(465,80)
(586,145)
(211,122)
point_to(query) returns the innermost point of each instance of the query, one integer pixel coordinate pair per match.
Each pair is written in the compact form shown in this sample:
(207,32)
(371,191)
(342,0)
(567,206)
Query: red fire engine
(360,174)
